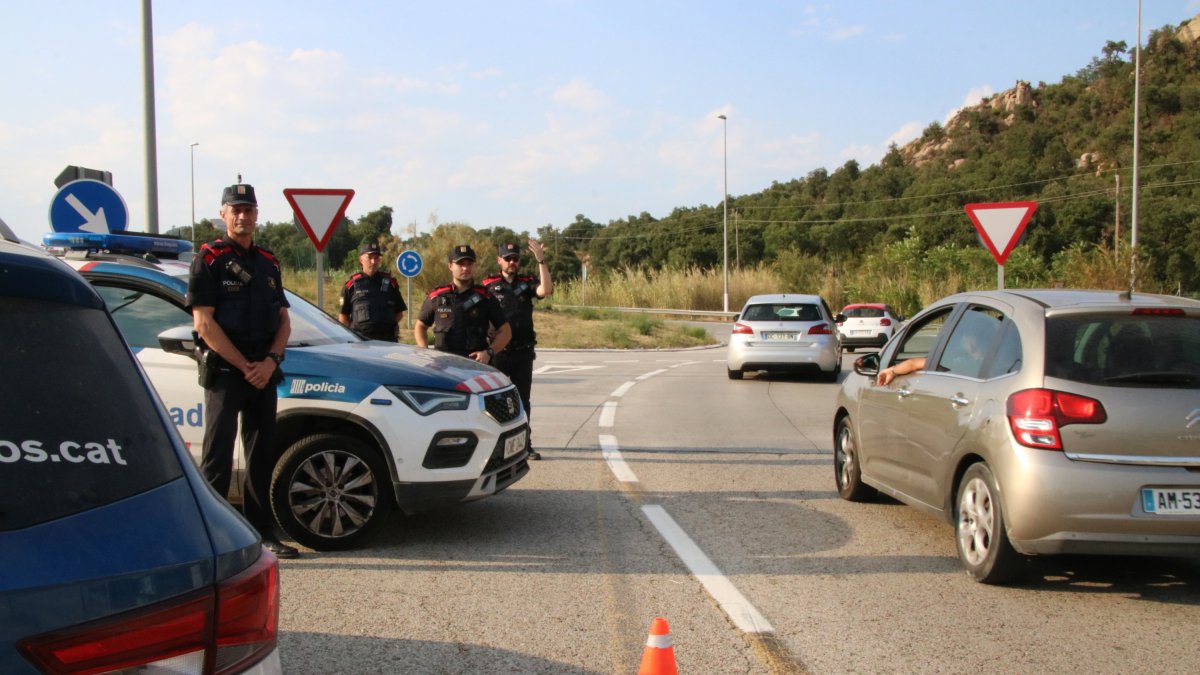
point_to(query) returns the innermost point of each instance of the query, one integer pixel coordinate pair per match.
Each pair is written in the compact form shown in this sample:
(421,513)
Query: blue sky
(516,114)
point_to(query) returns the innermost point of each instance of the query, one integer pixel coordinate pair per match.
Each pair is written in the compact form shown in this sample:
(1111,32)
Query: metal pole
(1133,213)
(192,150)
(148,114)
(725,207)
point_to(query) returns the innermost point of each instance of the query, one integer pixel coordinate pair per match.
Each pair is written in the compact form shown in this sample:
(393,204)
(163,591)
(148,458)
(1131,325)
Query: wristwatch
(276,357)
(490,352)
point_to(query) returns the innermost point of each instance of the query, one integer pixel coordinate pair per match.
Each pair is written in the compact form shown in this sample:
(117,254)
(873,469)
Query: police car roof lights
(132,243)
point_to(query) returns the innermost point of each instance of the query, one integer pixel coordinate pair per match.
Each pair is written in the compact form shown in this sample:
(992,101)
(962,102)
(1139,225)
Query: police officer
(235,292)
(371,302)
(460,313)
(516,293)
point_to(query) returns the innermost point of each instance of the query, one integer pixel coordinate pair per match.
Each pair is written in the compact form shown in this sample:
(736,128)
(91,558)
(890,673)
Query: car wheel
(850,349)
(832,376)
(983,544)
(846,470)
(329,491)
(734,374)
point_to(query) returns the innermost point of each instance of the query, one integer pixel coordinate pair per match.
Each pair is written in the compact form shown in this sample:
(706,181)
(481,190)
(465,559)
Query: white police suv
(362,425)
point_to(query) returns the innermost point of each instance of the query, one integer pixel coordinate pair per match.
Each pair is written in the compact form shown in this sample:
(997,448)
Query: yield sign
(1000,225)
(319,211)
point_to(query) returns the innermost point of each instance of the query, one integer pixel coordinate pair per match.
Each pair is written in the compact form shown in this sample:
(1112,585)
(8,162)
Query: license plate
(776,335)
(860,332)
(514,444)
(1171,501)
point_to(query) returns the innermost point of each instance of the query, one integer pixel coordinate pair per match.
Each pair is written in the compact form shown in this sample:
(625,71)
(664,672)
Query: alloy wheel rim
(976,521)
(333,494)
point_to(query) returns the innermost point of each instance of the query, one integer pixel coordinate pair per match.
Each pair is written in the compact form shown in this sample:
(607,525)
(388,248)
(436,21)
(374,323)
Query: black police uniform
(516,299)
(372,302)
(460,320)
(246,289)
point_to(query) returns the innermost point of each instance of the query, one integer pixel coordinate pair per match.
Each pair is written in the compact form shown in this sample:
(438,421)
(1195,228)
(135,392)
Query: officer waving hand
(461,312)
(516,291)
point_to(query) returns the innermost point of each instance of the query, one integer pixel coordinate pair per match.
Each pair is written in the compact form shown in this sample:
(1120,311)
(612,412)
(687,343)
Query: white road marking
(616,463)
(621,390)
(552,369)
(728,597)
(608,415)
(650,374)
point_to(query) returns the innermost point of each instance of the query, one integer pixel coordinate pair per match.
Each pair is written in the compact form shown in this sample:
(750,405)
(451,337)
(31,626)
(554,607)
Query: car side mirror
(179,340)
(867,365)
(736,317)
(839,318)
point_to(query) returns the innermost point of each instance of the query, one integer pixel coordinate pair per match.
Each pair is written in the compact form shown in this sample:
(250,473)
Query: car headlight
(429,401)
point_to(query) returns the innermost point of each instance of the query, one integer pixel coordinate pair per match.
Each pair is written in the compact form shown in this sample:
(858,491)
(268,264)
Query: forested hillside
(1065,145)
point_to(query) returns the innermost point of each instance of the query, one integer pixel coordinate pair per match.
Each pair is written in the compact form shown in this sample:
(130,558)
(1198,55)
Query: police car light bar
(127,242)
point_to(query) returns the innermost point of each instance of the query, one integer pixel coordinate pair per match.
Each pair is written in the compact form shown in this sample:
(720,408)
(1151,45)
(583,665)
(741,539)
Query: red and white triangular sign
(1000,225)
(319,211)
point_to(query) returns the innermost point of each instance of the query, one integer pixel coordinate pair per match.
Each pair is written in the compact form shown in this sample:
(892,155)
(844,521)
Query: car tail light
(885,321)
(1036,415)
(219,630)
(820,329)
(742,329)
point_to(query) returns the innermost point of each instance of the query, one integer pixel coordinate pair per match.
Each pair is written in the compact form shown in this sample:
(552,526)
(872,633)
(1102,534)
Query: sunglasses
(512,258)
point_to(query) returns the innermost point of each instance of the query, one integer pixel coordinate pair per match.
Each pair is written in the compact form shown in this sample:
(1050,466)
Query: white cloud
(581,95)
(841,33)
(904,134)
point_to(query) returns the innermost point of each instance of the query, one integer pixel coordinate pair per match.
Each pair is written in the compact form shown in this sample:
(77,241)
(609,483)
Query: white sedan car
(785,332)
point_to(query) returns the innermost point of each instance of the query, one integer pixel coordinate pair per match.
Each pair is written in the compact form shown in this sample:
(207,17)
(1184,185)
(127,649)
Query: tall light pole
(725,207)
(192,150)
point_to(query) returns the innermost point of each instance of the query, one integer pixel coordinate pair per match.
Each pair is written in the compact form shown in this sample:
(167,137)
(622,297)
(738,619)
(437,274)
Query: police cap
(509,249)
(462,252)
(370,247)
(240,193)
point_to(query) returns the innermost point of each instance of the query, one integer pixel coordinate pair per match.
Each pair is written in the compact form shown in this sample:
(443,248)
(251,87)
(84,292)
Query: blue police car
(363,426)
(117,555)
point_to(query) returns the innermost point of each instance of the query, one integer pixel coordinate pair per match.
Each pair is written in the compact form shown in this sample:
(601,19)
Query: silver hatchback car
(785,331)
(1036,422)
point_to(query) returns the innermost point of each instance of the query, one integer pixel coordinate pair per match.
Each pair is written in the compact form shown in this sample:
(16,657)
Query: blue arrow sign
(88,206)
(409,263)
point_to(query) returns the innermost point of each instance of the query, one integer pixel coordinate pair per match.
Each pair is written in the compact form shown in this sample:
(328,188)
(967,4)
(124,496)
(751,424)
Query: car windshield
(311,326)
(782,312)
(1125,350)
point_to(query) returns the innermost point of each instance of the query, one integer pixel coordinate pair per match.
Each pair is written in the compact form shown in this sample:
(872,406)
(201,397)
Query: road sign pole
(321,280)
(1000,277)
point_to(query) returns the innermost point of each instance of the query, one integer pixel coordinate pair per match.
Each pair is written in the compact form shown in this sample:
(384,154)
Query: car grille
(503,406)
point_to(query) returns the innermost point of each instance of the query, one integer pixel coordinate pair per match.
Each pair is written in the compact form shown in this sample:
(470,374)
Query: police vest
(516,299)
(248,293)
(371,303)
(460,320)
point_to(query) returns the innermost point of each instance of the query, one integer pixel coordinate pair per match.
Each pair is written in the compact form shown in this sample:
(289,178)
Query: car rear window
(79,428)
(782,312)
(864,312)
(1125,350)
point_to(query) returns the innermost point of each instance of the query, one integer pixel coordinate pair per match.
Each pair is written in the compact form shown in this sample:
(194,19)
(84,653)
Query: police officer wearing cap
(371,302)
(235,293)
(460,312)
(516,293)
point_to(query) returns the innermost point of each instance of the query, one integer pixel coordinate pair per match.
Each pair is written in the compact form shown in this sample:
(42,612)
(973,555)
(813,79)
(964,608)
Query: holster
(208,363)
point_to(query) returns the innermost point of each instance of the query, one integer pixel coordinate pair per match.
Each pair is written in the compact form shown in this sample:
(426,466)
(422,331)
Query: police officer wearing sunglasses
(516,293)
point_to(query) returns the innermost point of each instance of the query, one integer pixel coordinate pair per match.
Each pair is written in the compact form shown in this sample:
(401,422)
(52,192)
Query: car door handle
(958,401)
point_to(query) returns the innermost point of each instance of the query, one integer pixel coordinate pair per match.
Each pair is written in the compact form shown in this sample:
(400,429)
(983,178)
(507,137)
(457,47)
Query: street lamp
(192,150)
(725,207)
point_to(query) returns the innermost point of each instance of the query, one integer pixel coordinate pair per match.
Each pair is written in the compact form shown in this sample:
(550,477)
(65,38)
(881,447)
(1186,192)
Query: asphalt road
(669,490)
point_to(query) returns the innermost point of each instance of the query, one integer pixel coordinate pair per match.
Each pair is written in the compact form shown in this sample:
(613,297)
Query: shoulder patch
(440,290)
(353,278)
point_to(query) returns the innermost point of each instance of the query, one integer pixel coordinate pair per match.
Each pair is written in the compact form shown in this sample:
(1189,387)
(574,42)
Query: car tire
(734,374)
(983,545)
(329,491)
(846,470)
(850,349)
(832,376)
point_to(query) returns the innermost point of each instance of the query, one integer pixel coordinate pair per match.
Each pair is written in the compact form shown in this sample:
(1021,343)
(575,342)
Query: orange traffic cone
(658,658)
